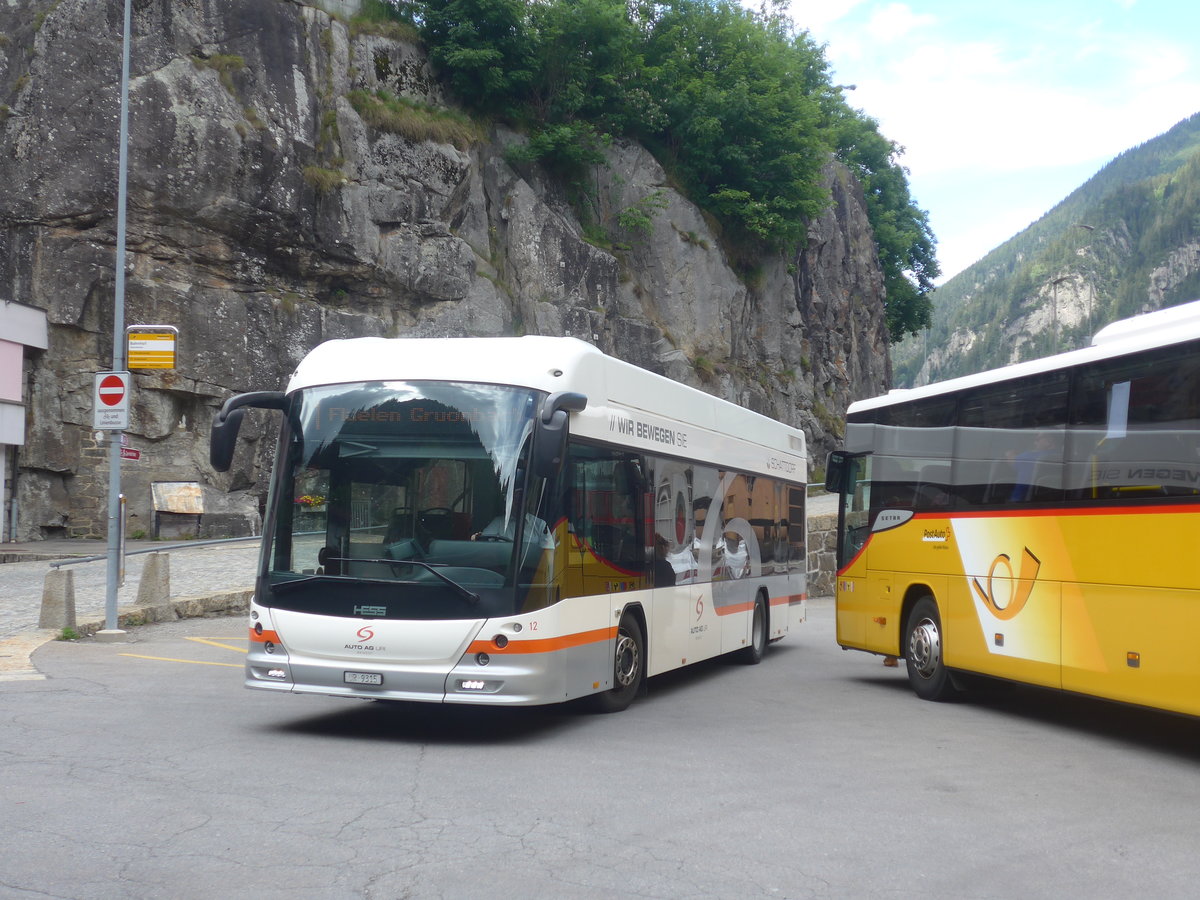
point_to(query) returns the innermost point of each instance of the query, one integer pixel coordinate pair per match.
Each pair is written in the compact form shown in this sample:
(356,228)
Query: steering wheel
(493,538)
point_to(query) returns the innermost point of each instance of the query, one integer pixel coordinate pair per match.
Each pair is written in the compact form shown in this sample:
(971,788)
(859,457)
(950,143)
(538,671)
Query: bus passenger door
(607,550)
(854,524)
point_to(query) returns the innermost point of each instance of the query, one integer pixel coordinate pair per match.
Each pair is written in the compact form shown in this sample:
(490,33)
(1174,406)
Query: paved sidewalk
(198,570)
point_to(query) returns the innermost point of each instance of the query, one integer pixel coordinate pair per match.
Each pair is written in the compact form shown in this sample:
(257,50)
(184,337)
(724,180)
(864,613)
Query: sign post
(111,632)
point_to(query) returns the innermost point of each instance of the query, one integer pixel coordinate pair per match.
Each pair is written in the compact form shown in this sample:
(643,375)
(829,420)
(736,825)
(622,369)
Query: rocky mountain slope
(1127,241)
(269,211)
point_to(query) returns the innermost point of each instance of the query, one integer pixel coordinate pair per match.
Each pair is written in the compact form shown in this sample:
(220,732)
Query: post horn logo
(1022,587)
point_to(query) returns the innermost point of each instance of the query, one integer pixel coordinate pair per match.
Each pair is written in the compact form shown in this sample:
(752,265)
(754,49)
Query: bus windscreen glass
(404,499)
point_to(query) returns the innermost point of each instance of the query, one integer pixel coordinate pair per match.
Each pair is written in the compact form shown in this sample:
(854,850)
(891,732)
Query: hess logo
(366,633)
(1018,591)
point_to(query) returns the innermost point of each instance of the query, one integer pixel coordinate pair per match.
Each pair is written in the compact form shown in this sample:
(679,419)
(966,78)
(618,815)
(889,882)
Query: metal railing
(59,563)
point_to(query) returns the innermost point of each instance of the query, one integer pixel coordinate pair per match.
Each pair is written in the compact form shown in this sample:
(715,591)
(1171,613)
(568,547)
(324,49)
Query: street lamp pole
(111,631)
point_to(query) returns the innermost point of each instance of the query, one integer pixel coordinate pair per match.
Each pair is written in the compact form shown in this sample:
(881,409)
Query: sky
(1006,106)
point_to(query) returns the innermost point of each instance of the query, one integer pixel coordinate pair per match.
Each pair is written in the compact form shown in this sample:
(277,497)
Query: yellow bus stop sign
(151,351)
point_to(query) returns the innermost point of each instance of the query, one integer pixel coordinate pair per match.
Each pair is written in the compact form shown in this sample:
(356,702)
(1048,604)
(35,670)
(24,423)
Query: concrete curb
(220,603)
(16,652)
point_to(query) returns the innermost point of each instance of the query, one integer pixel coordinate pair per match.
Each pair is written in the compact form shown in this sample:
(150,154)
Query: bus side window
(1136,429)
(606,485)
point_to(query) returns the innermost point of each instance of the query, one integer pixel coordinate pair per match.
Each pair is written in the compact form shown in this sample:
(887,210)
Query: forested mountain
(1126,241)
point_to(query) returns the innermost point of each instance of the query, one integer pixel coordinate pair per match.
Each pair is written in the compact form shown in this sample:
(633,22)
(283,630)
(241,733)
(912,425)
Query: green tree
(484,49)
(907,247)
(742,132)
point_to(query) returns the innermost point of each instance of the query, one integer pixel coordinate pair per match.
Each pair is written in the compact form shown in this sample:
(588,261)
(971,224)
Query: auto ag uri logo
(363,641)
(699,607)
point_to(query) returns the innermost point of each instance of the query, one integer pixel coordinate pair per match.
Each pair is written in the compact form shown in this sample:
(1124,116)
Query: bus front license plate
(362,678)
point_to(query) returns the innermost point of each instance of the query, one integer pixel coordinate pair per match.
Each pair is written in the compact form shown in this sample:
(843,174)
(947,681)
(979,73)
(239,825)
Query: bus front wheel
(629,668)
(927,673)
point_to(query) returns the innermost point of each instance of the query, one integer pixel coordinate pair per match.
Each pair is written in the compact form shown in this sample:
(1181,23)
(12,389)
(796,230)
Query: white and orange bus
(1038,523)
(513,521)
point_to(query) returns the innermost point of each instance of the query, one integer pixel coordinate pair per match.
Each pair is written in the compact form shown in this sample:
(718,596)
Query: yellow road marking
(195,662)
(216,643)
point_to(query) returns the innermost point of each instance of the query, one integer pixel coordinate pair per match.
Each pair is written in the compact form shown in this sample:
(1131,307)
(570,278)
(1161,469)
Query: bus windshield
(404,500)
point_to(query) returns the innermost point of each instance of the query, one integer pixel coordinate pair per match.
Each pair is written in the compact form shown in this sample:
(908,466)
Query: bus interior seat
(399,526)
(1002,480)
(443,524)
(932,490)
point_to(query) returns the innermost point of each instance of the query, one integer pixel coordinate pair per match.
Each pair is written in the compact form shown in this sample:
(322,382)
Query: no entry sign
(110,401)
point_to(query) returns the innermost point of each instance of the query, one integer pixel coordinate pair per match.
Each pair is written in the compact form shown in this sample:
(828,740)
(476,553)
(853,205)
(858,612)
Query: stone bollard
(58,600)
(154,588)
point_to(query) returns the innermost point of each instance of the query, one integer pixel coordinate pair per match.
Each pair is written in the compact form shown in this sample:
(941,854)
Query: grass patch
(323,181)
(385,20)
(415,121)
(250,114)
(705,368)
(224,64)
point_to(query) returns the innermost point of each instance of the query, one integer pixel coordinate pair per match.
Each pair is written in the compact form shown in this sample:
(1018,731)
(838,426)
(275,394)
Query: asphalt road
(145,770)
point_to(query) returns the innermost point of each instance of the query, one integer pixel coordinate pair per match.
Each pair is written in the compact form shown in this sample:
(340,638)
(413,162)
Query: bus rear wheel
(752,653)
(927,673)
(629,668)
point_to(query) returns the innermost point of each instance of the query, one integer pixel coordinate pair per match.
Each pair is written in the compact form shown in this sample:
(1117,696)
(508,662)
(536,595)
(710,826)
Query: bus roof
(1161,328)
(549,364)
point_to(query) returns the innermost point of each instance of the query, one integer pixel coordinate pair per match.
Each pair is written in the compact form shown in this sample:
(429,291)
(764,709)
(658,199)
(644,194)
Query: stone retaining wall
(822,555)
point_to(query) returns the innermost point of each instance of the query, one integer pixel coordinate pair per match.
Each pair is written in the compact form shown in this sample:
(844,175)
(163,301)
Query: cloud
(1028,95)
(816,15)
(959,100)
(897,21)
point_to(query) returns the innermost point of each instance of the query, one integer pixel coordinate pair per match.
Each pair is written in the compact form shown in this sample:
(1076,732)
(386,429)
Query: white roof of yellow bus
(1154,329)
(543,363)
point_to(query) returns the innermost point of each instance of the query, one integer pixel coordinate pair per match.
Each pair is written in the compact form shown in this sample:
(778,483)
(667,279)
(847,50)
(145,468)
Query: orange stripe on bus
(788,599)
(735,608)
(545,645)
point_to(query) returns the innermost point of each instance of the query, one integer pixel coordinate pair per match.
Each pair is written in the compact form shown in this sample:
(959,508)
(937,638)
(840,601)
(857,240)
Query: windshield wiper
(470,595)
(282,587)
(462,591)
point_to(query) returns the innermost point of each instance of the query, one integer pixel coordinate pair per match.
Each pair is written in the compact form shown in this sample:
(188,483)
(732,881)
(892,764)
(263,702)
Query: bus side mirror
(835,470)
(550,445)
(228,422)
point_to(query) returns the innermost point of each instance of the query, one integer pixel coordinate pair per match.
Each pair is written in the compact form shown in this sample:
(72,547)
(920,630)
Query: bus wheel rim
(627,660)
(925,648)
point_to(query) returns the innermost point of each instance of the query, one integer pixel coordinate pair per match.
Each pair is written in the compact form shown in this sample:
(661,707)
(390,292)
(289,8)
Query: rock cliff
(269,210)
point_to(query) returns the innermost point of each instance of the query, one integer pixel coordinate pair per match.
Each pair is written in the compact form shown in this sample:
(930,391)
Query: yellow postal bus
(1037,523)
